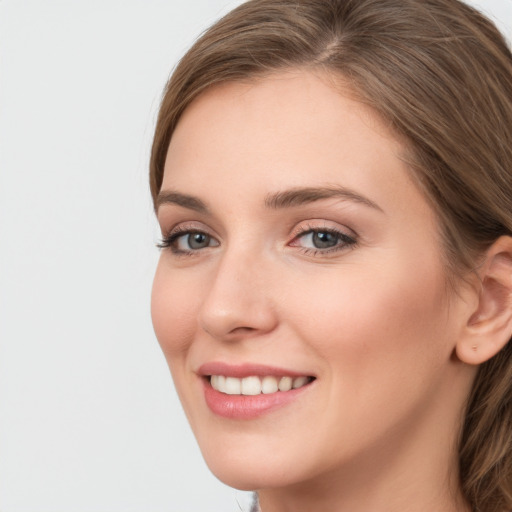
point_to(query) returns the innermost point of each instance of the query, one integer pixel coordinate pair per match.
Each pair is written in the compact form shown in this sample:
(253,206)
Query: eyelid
(322,224)
(189,226)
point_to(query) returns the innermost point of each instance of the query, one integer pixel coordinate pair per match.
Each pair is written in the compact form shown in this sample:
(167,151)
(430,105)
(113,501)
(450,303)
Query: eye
(323,240)
(192,241)
(186,242)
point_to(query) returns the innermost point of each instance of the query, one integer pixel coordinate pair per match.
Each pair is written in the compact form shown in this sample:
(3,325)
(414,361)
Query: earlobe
(489,327)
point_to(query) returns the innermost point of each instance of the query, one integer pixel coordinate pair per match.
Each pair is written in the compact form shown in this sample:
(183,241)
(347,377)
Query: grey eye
(188,241)
(198,240)
(324,239)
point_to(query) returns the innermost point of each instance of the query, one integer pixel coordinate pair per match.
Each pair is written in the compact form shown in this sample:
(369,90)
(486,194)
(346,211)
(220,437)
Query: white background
(89,421)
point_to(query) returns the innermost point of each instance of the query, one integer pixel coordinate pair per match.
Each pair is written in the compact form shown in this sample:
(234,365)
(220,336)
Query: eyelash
(347,242)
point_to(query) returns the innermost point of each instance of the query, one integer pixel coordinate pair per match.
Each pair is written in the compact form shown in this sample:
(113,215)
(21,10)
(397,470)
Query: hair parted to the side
(440,74)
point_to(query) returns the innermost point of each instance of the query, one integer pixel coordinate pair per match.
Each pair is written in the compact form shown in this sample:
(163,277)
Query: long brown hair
(440,74)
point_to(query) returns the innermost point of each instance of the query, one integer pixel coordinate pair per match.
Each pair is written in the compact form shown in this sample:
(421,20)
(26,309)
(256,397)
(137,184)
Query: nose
(238,303)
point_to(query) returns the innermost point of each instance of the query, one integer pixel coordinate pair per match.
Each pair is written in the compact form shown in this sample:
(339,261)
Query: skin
(373,321)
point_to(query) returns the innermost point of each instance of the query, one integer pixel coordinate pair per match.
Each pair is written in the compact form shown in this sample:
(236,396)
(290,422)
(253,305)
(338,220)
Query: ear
(489,327)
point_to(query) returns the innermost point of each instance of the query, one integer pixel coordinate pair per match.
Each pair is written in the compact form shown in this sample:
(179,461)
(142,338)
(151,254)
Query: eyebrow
(279,200)
(184,200)
(300,196)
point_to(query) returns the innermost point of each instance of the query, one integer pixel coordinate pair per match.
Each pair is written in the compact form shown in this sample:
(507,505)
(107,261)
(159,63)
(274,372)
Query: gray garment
(255,507)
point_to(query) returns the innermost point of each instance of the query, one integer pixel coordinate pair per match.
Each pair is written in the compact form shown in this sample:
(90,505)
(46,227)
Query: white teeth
(251,386)
(254,385)
(285,384)
(233,386)
(299,382)
(269,385)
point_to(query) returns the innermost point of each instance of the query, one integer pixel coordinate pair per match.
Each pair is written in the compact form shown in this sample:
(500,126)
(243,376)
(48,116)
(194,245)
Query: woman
(332,179)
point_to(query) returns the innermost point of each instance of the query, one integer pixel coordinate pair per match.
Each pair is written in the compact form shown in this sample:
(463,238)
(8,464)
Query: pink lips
(242,406)
(244,370)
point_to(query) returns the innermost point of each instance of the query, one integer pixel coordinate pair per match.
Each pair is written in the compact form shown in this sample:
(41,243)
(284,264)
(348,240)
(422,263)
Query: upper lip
(247,370)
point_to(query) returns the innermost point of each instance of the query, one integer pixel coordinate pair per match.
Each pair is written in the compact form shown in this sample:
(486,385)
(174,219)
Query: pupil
(198,240)
(323,240)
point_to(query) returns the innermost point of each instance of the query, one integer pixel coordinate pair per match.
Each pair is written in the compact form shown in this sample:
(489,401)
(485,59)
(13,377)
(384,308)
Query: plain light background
(89,421)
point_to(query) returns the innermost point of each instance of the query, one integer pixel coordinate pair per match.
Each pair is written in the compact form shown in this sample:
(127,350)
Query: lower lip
(246,407)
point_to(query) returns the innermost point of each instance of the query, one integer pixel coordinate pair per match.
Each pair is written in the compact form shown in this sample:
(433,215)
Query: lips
(248,391)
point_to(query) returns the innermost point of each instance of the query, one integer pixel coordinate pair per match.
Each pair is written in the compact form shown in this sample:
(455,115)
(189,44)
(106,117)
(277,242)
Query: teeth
(255,385)
(251,386)
(299,382)
(285,384)
(232,386)
(269,385)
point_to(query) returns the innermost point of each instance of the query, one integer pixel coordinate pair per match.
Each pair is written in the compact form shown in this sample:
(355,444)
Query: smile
(254,385)
(248,391)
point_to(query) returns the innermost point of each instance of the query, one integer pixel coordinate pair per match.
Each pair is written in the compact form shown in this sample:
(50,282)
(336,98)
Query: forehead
(289,95)
(275,119)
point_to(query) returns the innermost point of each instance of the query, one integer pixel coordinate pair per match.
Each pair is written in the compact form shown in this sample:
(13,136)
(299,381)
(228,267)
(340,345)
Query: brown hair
(440,74)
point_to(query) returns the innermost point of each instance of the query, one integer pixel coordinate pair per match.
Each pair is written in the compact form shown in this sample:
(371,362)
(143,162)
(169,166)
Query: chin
(251,463)
(246,475)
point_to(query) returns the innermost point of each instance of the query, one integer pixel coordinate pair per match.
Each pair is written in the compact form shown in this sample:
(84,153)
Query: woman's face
(298,252)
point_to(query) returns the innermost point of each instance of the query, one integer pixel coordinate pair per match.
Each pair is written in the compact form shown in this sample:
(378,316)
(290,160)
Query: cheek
(174,306)
(375,323)
(384,346)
